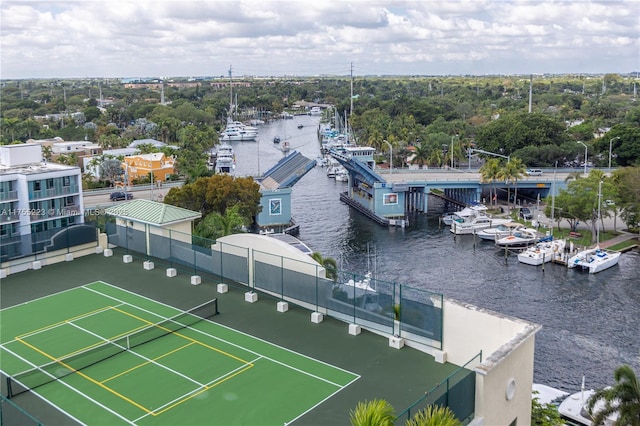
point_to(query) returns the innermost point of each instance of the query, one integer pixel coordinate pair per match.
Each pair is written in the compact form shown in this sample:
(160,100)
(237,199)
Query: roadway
(100,197)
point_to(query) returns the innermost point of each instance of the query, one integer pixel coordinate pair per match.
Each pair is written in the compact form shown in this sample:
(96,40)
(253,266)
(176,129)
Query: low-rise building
(140,166)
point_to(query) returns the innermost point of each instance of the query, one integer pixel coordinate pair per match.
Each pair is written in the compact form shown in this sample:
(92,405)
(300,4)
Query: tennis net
(56,370)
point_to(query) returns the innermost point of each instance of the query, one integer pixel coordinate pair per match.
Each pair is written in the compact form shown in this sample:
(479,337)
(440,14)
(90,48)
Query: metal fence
(12,414)
(387,307)
(457,391)
(19,245)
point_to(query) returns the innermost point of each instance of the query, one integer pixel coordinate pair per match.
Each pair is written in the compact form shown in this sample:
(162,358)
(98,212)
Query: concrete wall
(507,346)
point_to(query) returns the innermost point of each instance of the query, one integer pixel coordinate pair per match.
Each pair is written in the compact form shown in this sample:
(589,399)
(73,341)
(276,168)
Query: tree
(111,169)
(489,172)
(434,415)
(621,400)
(515,169)
(216,225)
(216,194)
(544,414)
(421,154)
(330,265)
(377,412)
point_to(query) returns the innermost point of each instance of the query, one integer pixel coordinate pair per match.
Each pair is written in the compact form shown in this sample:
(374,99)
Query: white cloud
(307,37)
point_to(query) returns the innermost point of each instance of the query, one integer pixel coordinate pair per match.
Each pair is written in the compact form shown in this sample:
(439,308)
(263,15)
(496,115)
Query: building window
(66,181)
(36,185)
(49,183)
(68,201)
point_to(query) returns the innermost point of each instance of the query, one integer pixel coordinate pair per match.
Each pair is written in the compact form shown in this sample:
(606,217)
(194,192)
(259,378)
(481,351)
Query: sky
(161,38)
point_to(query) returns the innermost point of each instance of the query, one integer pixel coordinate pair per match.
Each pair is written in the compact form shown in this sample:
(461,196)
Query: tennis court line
(48,295)
(82,394)
(220,325)
(63,322)
(201,386)
(339,387)
(107,388)
(215,382)
(145,363)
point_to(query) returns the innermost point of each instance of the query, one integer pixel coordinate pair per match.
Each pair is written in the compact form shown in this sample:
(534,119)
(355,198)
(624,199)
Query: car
(609,203)
(534,172)
(525,213)
(119,196)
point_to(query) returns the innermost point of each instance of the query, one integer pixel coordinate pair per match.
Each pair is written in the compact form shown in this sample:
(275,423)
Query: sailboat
(595,259)
(547,249)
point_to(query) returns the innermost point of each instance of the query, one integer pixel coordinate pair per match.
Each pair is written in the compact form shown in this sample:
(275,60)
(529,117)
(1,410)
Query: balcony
(54,192)
(43,214)
(8,196)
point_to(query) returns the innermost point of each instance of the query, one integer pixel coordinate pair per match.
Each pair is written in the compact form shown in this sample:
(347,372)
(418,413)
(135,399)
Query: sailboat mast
(230,94)
(599,204)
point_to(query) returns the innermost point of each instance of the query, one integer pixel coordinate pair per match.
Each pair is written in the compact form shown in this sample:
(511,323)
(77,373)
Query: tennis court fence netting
(41,375)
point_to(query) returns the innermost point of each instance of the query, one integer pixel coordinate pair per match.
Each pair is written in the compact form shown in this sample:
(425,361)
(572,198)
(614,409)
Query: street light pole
(390,156)
(585,156)
(610,145)
(451,153)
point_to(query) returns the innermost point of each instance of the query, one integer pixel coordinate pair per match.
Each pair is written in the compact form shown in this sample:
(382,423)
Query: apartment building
(37,200)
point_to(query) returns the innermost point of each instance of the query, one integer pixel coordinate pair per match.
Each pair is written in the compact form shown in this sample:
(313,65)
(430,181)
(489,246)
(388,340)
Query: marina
(590,321)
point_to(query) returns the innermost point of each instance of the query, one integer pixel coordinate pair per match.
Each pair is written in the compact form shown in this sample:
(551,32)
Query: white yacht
(500,231)
(225,159)
(594,260)
(523,237)
(571,407)
(473,224)
(542,252)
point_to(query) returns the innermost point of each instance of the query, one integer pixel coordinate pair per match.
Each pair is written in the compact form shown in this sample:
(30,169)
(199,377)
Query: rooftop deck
(398,376)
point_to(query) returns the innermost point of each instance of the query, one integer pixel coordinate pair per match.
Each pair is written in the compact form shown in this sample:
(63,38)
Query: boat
(571,407)
(500,231)
(475,223)
(460,215)
(300,126)
(276,139)
(225,159)
(523,237)
(342,175)
(237,134)
(285,147)
(542,252)
(595,259)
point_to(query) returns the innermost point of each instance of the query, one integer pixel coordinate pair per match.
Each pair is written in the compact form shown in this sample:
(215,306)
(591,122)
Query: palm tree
(329,264)
(623,399)
(511,172)
(421,154)
(489,173)
(372,413)
(517,169)
(434,415)
(217,225)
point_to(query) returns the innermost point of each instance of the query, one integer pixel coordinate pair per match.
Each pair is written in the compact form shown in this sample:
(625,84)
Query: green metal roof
(152,212)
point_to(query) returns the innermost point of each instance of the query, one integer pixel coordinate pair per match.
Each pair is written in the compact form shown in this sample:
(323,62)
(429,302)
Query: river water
(591,323)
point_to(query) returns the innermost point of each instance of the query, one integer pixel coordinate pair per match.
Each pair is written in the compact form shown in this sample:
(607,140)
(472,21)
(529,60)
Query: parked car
(525,213)
(119,196)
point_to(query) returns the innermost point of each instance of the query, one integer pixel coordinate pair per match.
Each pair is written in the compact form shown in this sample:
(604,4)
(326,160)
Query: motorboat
(461,215)
(360,292)
(342,175)
(473,224)
(500,231)
(523,237)
(542,252)
(571,407)
(237,134)
(594,260)
(225,159)
(276,139)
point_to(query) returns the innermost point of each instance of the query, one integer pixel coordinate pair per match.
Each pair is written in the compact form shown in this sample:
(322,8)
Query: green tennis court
(106,356)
